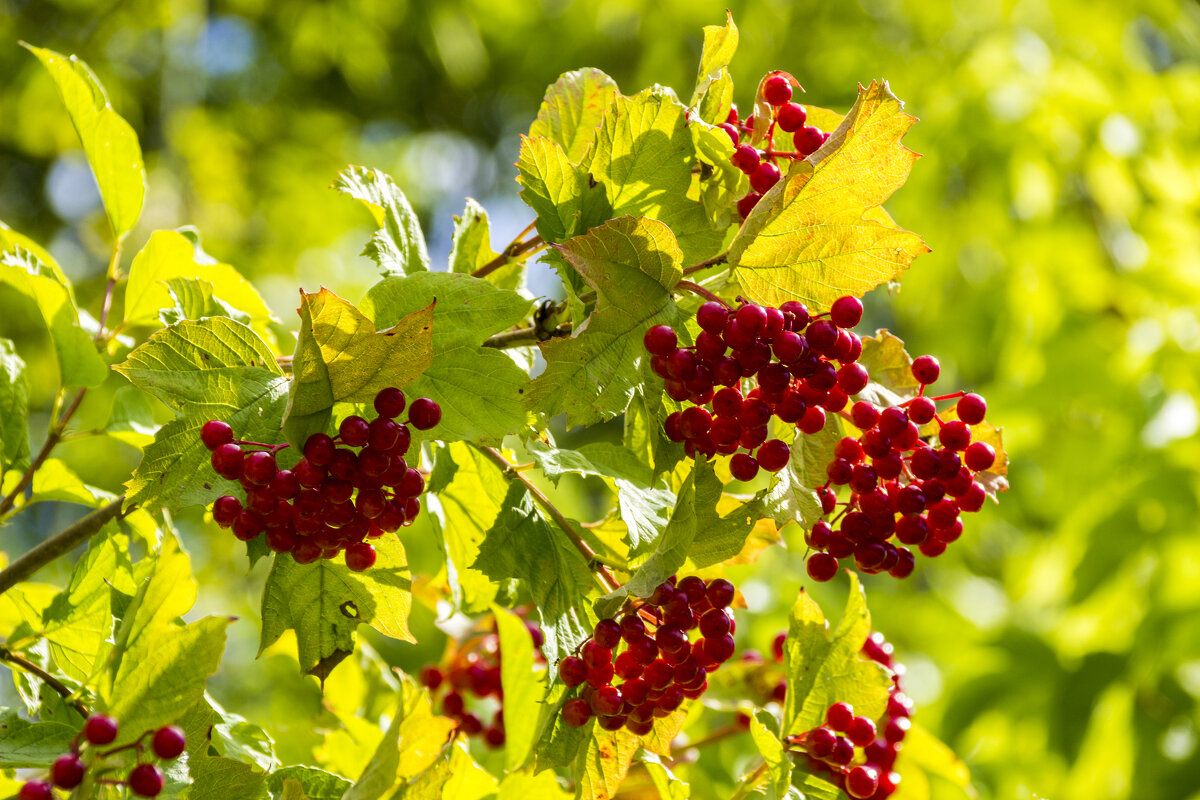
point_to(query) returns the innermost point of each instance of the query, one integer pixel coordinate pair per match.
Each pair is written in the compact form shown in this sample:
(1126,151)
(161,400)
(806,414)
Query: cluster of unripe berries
(788,354)
(344,491)
(901,486)
(760,163)
(649,650)
(69,769)
(472,682)
(858,754)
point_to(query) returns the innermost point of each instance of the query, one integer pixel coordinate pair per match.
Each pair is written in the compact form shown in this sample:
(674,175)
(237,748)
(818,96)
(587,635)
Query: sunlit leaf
(471,249)
(764,730)
(14,407)
(720,43)
(399,245)
(31,744)
(572,109)
(524,687)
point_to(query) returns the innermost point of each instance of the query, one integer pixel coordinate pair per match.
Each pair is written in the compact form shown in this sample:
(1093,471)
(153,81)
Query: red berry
(861,731)
(318,449)
(389,402)
(745,158)
(660,340)
(354,431)
(777,90)
(839,716)
(146,780)
(67,772)
(169,742)
(921,410)
(424,414)
(971,409)
(821,567)
(743,467)
(862,781)
(820,742)
(846,312)
(766,176)
(360,556)
(955,435)
(852,378)
(572,671)
(431,677)
(808,140)
(712,317)
(747,204)
(926,369)
(216,433)
(607,634)
(100,729)
(979,456)
(226,510)
(791,117)
(720,593)
(259,468)
(227,461)
(774,455)
(576,712)
(36,790)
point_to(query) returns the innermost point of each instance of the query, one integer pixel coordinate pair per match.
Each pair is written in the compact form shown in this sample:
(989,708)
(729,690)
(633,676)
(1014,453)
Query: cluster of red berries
(334,499)
(474,670)
(659,665)
(144,780)
(857,753)
(760,163)
(788,352)
(901,485)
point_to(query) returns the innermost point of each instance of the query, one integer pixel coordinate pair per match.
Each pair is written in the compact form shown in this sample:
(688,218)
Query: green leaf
(465,489)
(925,751)
(572,110)
(163,672)
(643,158)
(14,409)
(455,776)
(823,670)
(471,249)
(480,389)
(524,687)
(720,43)
(214,776)
(325,602)
(399,245)
(764,730)
(108,140)
(54,480)
(132,418)
(560,743)
(12,240)
(632,264)
(602,767)
(31,744)
(719,540)
(567,202)
(340,358)
(79,362)
(521,545)
(315,784)
(668,786)
(890,368)
(523,786)
(792,495)
(170,262)
(602,459)
(208,369)
(821,233)
(721,183)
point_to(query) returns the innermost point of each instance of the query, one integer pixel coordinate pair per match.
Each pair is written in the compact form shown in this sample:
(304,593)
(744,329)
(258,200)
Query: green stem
(18,660)
(53,437)
(59,544)
(703,265)
(748,783)
(515,249)
(700,291)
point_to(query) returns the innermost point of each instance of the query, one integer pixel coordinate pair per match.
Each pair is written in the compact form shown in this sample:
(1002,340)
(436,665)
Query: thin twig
(697,289)
(59,544)
(53,436)
(589,555)
(749,782)
(18,660)
(514,250)
(712,262)
(525,336)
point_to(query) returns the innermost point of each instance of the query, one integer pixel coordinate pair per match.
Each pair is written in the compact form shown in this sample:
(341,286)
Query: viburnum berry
(971,409)
(67,771)
(777,90)
(360,556)
(745,158)
(100,729)
(424,414)
(660,340)
(862,781)
(926,369)
(764,177)
(35,790)
(168,742)
(791,117)
(146,780)
(846,312)
(389,402)
(576,712)
(215,433)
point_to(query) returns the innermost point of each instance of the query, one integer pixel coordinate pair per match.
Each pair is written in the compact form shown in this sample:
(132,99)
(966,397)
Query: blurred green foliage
(1057,648)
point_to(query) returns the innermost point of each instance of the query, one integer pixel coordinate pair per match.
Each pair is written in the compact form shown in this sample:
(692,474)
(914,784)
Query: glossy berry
(319,449)
(360,556)
(260,468)
(955,435)
(791,117)
(424,413)
(576,712)
(808,140)
(660,340)
(354,431)
(821,567)
(146,780)
(216,433)
(839,716)
(971,409)
(820,742)
(572,671)
(712,317)
(774,455)
(862,781)
(861,731)
(979,456)
(100,729)
(926,369)
(389,403)
(743,467)
(846,312)
(36,790)
(169,742)
(766,176)
(719,593)
(67,772)
(745,158)
(227,461)
(777,90)
(747,204)
(607,633)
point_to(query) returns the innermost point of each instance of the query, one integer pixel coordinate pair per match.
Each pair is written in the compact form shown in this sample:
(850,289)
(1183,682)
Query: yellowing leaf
(720,43)
(108,140)
(820,233)
(340,358)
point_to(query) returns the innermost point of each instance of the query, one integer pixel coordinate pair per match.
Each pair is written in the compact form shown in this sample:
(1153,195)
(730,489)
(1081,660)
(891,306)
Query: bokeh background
(1056,647)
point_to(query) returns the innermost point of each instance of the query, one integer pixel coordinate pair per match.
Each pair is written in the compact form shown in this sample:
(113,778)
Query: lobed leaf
(720,44)
(398,248)
(110,143)
(572,110)
(821,233)
(471,249)
(31,744)
(14,409)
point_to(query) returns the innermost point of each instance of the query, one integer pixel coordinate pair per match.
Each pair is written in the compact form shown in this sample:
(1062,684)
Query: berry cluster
(474,670)
(144,780)
(659,665)
(901,485)
(334,499)
(760,163)
(860,755)
(787,352)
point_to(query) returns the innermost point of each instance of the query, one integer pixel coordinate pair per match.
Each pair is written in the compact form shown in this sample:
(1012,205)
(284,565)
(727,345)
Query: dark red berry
(354,431)
(146,780)
(360,556)
(926,369)
(820,742)
(720,593)
(745,158)
(766,176)
(861,731)
(318,449)
(576,712)
(424,413)
(572,670)
(821,567)
(776,90)
(862,781)
(216,433)
(100,729)
(846,312)
(921,410)
(389,403)
(607,634)
(747,204)
(660,340)
(979,456)
(774,455)
(712,317)
(67,772)
(955,435)
(169,742)
(227,461)
(36,790)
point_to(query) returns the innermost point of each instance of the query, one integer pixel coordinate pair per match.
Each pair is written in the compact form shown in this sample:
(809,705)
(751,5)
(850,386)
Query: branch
(53,436)
(748,783)
(712,262)
(54,683)
(514,250)
(699,290)
(524,336)
(60,544)
(606,578)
